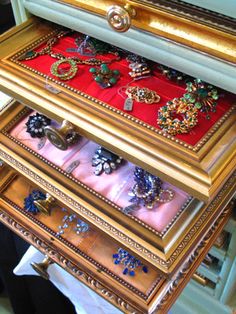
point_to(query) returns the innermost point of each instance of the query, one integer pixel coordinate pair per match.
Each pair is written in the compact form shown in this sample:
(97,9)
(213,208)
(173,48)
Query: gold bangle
(173,125)
(142,94)
(67,75)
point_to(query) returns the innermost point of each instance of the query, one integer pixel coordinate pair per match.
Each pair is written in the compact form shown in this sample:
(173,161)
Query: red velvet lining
(167,89)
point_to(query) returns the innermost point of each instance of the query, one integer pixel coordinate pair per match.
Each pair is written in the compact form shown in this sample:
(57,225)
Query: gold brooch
(142,94)
(170,123)
(67,72)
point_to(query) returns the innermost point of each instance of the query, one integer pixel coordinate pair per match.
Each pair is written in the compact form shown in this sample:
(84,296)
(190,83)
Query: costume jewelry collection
(178,116)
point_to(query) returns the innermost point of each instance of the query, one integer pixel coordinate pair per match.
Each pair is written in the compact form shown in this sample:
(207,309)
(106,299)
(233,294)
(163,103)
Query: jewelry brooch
(65,69)
(173,74)
(90,46)
(203,96)
(138,65)
(130,262)
(104,76)
(148,190)
(105,161)
(29,205)
(142,94)
(172,125)
(36,124)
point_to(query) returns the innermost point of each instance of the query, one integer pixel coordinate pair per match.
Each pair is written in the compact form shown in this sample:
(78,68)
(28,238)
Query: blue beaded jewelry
(29,205)
(81,226)
(130,262)
(147,189)
(174,75)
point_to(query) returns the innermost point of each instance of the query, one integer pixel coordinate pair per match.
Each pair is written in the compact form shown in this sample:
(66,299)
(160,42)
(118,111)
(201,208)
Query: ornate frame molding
(26,111)
(196,13)
(176,282)
(123,238)
(65,263)
(84,277)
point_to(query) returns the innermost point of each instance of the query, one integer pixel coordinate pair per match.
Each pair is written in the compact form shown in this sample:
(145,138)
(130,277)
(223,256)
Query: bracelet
(172,125)
(142,94)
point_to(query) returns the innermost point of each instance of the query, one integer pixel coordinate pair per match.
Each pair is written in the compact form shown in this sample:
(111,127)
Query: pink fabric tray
(114,187)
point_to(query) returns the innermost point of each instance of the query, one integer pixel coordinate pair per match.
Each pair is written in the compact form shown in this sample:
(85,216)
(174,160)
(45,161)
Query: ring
(142,94)
(172,125)
(68,74)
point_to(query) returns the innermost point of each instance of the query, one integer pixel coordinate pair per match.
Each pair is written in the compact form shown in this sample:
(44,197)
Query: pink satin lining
(114,187)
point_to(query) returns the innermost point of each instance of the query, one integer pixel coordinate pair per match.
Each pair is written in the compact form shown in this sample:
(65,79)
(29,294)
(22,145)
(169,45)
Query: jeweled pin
(36,124)
(29,201)
(104,76)
(105,161)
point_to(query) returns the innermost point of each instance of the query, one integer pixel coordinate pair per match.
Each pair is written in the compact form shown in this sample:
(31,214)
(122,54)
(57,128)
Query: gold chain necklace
(73,62)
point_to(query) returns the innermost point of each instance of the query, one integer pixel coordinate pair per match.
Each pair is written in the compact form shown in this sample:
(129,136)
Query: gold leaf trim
(187,265)
(100,222)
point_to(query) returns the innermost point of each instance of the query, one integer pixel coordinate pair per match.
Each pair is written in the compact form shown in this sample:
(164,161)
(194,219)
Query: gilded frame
(164,251)
(194,169)
(163,295)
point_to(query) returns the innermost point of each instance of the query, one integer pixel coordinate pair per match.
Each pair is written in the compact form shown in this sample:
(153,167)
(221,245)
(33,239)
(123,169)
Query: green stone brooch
(203,96)
(104,76)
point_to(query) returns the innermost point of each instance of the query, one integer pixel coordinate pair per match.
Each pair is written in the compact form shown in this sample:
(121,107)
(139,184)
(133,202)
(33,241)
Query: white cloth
(84,299)
(4,100)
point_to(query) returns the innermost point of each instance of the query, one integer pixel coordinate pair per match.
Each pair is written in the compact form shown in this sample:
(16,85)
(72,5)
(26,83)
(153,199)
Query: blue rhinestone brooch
(29,205)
